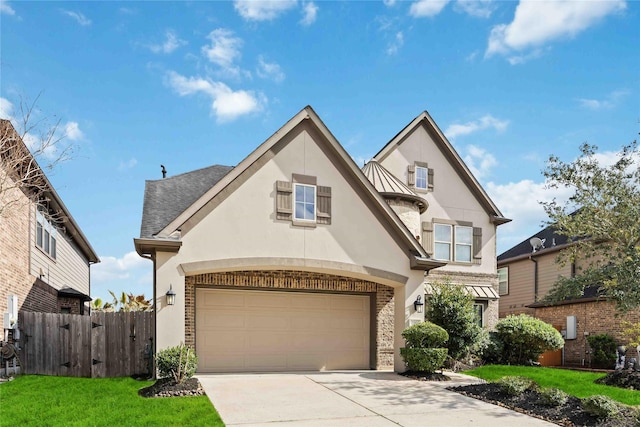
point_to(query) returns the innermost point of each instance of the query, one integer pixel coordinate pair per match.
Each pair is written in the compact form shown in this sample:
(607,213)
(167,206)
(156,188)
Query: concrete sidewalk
(351,398)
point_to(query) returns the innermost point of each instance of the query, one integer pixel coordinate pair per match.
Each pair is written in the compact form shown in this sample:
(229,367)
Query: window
(479,309)
(456,241)
(46,235)
(305,202)
(421,177)
(503,280)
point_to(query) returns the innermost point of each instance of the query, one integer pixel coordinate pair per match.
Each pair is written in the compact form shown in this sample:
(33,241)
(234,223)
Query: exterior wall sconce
(171,296)
(418,305)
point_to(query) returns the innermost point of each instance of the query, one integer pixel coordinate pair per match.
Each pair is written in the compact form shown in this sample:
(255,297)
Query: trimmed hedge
(424,359)
(425,335)
(522,339)
(604,351)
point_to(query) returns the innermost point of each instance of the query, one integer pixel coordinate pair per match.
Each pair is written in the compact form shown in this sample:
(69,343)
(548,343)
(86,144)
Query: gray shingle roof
(165,199)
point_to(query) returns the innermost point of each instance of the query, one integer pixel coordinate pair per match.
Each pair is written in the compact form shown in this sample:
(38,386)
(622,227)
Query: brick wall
(284,280)
(595,317)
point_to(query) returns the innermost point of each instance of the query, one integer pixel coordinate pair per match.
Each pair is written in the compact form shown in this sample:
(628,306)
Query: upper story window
(305,202)
(420,177)
(46,235)
(455,241)
(503,280)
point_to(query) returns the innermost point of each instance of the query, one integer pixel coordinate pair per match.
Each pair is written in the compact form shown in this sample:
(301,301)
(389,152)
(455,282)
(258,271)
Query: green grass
(576,383)
(34,400)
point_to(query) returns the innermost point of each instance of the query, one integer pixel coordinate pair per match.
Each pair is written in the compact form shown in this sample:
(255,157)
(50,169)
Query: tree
(451,307)
(30,144)
(602,221)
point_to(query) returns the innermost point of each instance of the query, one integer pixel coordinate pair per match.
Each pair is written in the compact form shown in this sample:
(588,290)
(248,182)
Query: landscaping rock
(166,387)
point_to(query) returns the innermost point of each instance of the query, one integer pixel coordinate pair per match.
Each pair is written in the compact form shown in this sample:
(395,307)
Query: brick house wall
(293,280)
(595,317)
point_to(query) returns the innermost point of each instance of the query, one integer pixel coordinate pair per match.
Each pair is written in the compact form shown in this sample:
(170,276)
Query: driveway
(350,398)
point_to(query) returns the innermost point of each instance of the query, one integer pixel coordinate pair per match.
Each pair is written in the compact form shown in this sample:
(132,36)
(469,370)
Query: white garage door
(240,330)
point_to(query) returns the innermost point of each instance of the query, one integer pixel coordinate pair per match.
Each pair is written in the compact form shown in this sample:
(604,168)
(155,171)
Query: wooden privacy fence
(101,345)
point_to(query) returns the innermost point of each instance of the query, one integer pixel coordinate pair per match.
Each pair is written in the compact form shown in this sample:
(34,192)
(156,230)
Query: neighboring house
(296,259)
(45,258)
(529,270)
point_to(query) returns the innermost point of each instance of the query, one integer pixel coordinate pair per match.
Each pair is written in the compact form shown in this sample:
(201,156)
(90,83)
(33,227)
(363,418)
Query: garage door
(240,330)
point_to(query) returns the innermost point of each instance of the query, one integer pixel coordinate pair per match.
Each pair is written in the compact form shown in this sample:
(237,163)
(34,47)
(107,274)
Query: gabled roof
(165,199)
(425,120)
(389,186)
(48,192)
(419,259)
(552,242)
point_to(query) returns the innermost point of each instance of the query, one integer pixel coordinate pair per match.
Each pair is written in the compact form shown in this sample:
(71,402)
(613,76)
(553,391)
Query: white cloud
(485,122)
(427,8)
(479,161)
(477,8)
(79,17)
(130,274)
(171,43)
(224,50)
(6,109)
(310,13)
(72,131)
(6,9)
(226,104)
(537,23)
(262,10)
(389,3)
(129,164)
(269,70)
(521,59)
(609,102)
(396,44)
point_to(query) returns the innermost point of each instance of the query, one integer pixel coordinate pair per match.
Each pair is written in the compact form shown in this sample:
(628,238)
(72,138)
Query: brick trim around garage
(296,280)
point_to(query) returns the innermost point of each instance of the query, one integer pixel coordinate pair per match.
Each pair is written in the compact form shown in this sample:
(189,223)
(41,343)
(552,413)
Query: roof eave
(148,247)
(425,264)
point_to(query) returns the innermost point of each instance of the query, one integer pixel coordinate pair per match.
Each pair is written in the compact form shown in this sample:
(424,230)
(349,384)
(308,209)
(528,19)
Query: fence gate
(100,345)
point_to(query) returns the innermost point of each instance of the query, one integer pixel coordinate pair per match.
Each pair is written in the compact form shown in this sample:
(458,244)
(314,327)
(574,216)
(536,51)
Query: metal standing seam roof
(480,292)
(388,185)
(165,199)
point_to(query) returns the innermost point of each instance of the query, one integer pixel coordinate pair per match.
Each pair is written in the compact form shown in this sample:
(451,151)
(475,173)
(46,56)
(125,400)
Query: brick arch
(303,281)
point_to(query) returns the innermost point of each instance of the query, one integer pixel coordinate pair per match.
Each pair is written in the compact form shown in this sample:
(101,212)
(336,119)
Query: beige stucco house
(45,258)
(296,259)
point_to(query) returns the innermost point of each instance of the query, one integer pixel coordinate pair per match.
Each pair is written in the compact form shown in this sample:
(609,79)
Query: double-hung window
(46,235)
(503,280)
(304,202)
(422,175)
(464,240)
(443,239)
(453,242)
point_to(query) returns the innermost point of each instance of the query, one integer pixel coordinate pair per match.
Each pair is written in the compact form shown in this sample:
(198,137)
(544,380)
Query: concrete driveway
(350,398)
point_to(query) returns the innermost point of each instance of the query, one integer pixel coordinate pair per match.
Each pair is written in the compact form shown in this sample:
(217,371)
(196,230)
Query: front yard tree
(602,219)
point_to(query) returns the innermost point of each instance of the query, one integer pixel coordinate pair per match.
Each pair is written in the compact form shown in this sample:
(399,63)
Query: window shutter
(427,237)
(284,194)
(477,242)
(430,179)
(323,211)
(411,175)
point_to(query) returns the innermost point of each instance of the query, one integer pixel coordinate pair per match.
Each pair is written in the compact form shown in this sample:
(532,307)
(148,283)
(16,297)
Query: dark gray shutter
(477,242)
(323,212)
(411,175)
(430,179)
(284,195)
(427,237)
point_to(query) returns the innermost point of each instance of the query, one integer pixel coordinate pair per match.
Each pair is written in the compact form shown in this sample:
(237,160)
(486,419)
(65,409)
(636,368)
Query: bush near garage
(424,350)
(178,363)
(604,351)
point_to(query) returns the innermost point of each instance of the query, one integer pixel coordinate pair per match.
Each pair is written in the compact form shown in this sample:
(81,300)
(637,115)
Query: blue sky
(191,84)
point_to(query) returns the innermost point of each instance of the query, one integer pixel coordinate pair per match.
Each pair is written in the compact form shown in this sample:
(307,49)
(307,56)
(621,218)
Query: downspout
(155,310)
(535,278)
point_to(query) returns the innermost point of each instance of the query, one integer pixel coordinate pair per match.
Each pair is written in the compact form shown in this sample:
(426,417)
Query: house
(527,273)
(295,259)
(45,258)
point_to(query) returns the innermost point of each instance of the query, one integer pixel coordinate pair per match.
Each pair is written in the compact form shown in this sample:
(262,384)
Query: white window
(503,280)
(479,309)
(304,202)
(442,240)
(464,241)
(46,235)
(422,177)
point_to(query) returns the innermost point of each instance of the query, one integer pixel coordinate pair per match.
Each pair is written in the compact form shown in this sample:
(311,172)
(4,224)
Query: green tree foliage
(451,307)
(126,302)
(601,218)
(604,350)
(522,339)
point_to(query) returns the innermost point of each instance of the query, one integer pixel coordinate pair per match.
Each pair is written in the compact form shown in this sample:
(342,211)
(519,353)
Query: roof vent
(537,243)
(164,171)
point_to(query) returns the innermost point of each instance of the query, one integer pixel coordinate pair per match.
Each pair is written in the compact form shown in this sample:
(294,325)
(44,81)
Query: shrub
(524,339)
(178,363)
(514,386)
(604,351)
(424,359)
(425,335)
(601,406)
(494,351)
(451,307)
(551,396)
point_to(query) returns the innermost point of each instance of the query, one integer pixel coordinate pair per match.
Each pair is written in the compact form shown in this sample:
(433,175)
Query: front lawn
(576,383)
(34,400)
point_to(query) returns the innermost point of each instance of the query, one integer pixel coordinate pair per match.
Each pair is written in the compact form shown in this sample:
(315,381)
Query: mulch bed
(623,379)
(423,376)
(166,387)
